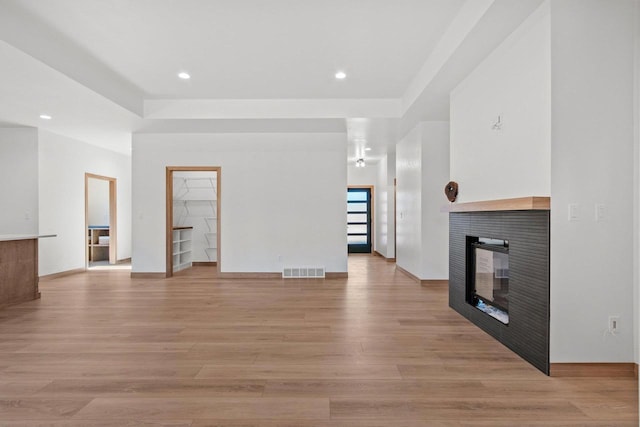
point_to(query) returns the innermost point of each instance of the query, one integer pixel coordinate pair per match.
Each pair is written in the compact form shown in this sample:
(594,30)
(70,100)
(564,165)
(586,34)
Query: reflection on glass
(357,218)
(357,229)
(357,240)
(357,196)
(492,277)
(357,207)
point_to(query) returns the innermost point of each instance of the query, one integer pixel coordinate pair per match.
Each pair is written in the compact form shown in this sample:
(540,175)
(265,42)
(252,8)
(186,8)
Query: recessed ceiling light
(341,75)
(45,117)
(367,149)
(184,75)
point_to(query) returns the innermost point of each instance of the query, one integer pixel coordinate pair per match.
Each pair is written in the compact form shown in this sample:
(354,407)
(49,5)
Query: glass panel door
(359,220)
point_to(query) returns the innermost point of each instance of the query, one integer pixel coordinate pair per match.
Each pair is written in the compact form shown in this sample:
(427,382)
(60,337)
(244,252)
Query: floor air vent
(303,272)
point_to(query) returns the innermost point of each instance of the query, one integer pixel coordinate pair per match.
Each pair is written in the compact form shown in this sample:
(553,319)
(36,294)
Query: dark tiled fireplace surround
(524,223)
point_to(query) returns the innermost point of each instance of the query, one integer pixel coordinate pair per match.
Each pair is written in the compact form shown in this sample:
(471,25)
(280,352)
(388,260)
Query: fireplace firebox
(488,276)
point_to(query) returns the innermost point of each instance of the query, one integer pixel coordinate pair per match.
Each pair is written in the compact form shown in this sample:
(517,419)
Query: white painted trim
(465,21)
(270,108)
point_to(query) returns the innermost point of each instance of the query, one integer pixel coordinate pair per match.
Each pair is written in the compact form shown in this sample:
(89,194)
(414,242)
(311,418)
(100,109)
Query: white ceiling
(255,48)
(106,68)
(29,88)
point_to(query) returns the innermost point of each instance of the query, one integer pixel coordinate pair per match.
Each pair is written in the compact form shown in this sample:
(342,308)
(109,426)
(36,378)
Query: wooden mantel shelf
(533,203)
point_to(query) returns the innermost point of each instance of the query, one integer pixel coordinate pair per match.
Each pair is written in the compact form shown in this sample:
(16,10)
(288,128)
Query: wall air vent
(303,273)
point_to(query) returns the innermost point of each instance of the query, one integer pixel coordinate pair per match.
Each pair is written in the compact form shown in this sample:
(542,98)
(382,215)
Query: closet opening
(100,194)
(192,226)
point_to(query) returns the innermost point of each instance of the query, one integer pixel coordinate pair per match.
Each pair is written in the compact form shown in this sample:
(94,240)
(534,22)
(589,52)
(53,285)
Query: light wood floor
(376,350)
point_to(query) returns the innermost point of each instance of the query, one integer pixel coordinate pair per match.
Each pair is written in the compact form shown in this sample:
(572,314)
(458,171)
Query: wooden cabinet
(19,268)
(98,243)
(182,249)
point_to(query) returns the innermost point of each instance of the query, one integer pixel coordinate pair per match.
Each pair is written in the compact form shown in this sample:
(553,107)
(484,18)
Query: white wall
(62,163)
(283,198)
(636,190)
(592,57)
(384,212)
(564,84)
(513,82)
(391,188)
(19,178)
(409,202)
(98,206)
(422,169)
(435,224)
(367,175)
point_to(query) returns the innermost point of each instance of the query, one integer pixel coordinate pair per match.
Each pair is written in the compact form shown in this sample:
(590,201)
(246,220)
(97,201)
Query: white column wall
(382,213)
(636,255)
(62,163)
(19,180)
(391,223)
(435,224)
(592,58)
(422,168)
(283,198)
(409,202)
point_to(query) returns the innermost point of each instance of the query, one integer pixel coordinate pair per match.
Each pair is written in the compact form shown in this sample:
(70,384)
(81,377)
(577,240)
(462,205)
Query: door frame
(373,208)
(169,211)
(113,216)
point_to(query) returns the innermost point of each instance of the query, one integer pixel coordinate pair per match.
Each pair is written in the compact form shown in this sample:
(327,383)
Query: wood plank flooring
(376,350)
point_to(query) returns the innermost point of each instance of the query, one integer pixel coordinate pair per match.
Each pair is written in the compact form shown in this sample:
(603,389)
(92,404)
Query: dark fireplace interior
(488,276)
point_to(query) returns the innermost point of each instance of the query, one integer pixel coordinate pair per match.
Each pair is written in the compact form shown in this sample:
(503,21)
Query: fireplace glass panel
(490,279)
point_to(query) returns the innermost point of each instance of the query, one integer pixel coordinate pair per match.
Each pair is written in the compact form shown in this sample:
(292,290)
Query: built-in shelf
(98,243)
(181,251)
(534,203)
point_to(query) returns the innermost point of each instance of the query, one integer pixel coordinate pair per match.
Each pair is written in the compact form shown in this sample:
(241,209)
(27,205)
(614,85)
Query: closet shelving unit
(182,255)
(195,205)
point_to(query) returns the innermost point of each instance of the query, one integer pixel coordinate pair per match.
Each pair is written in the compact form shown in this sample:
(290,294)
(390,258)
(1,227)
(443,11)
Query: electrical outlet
(614,324)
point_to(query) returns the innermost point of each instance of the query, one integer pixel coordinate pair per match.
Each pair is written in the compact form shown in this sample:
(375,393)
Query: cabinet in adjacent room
(98,243)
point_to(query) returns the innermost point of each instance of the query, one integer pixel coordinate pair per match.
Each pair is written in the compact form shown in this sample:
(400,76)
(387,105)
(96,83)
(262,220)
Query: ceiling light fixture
(45,117)
(184,75)
(367,149)
(341,75)
(360,163)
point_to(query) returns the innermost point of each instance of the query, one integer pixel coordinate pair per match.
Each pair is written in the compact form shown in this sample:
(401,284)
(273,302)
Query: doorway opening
(193,217)
(100,195)
(359,219)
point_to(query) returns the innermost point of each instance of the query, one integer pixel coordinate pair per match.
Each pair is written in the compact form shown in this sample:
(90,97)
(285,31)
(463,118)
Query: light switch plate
(574,211)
